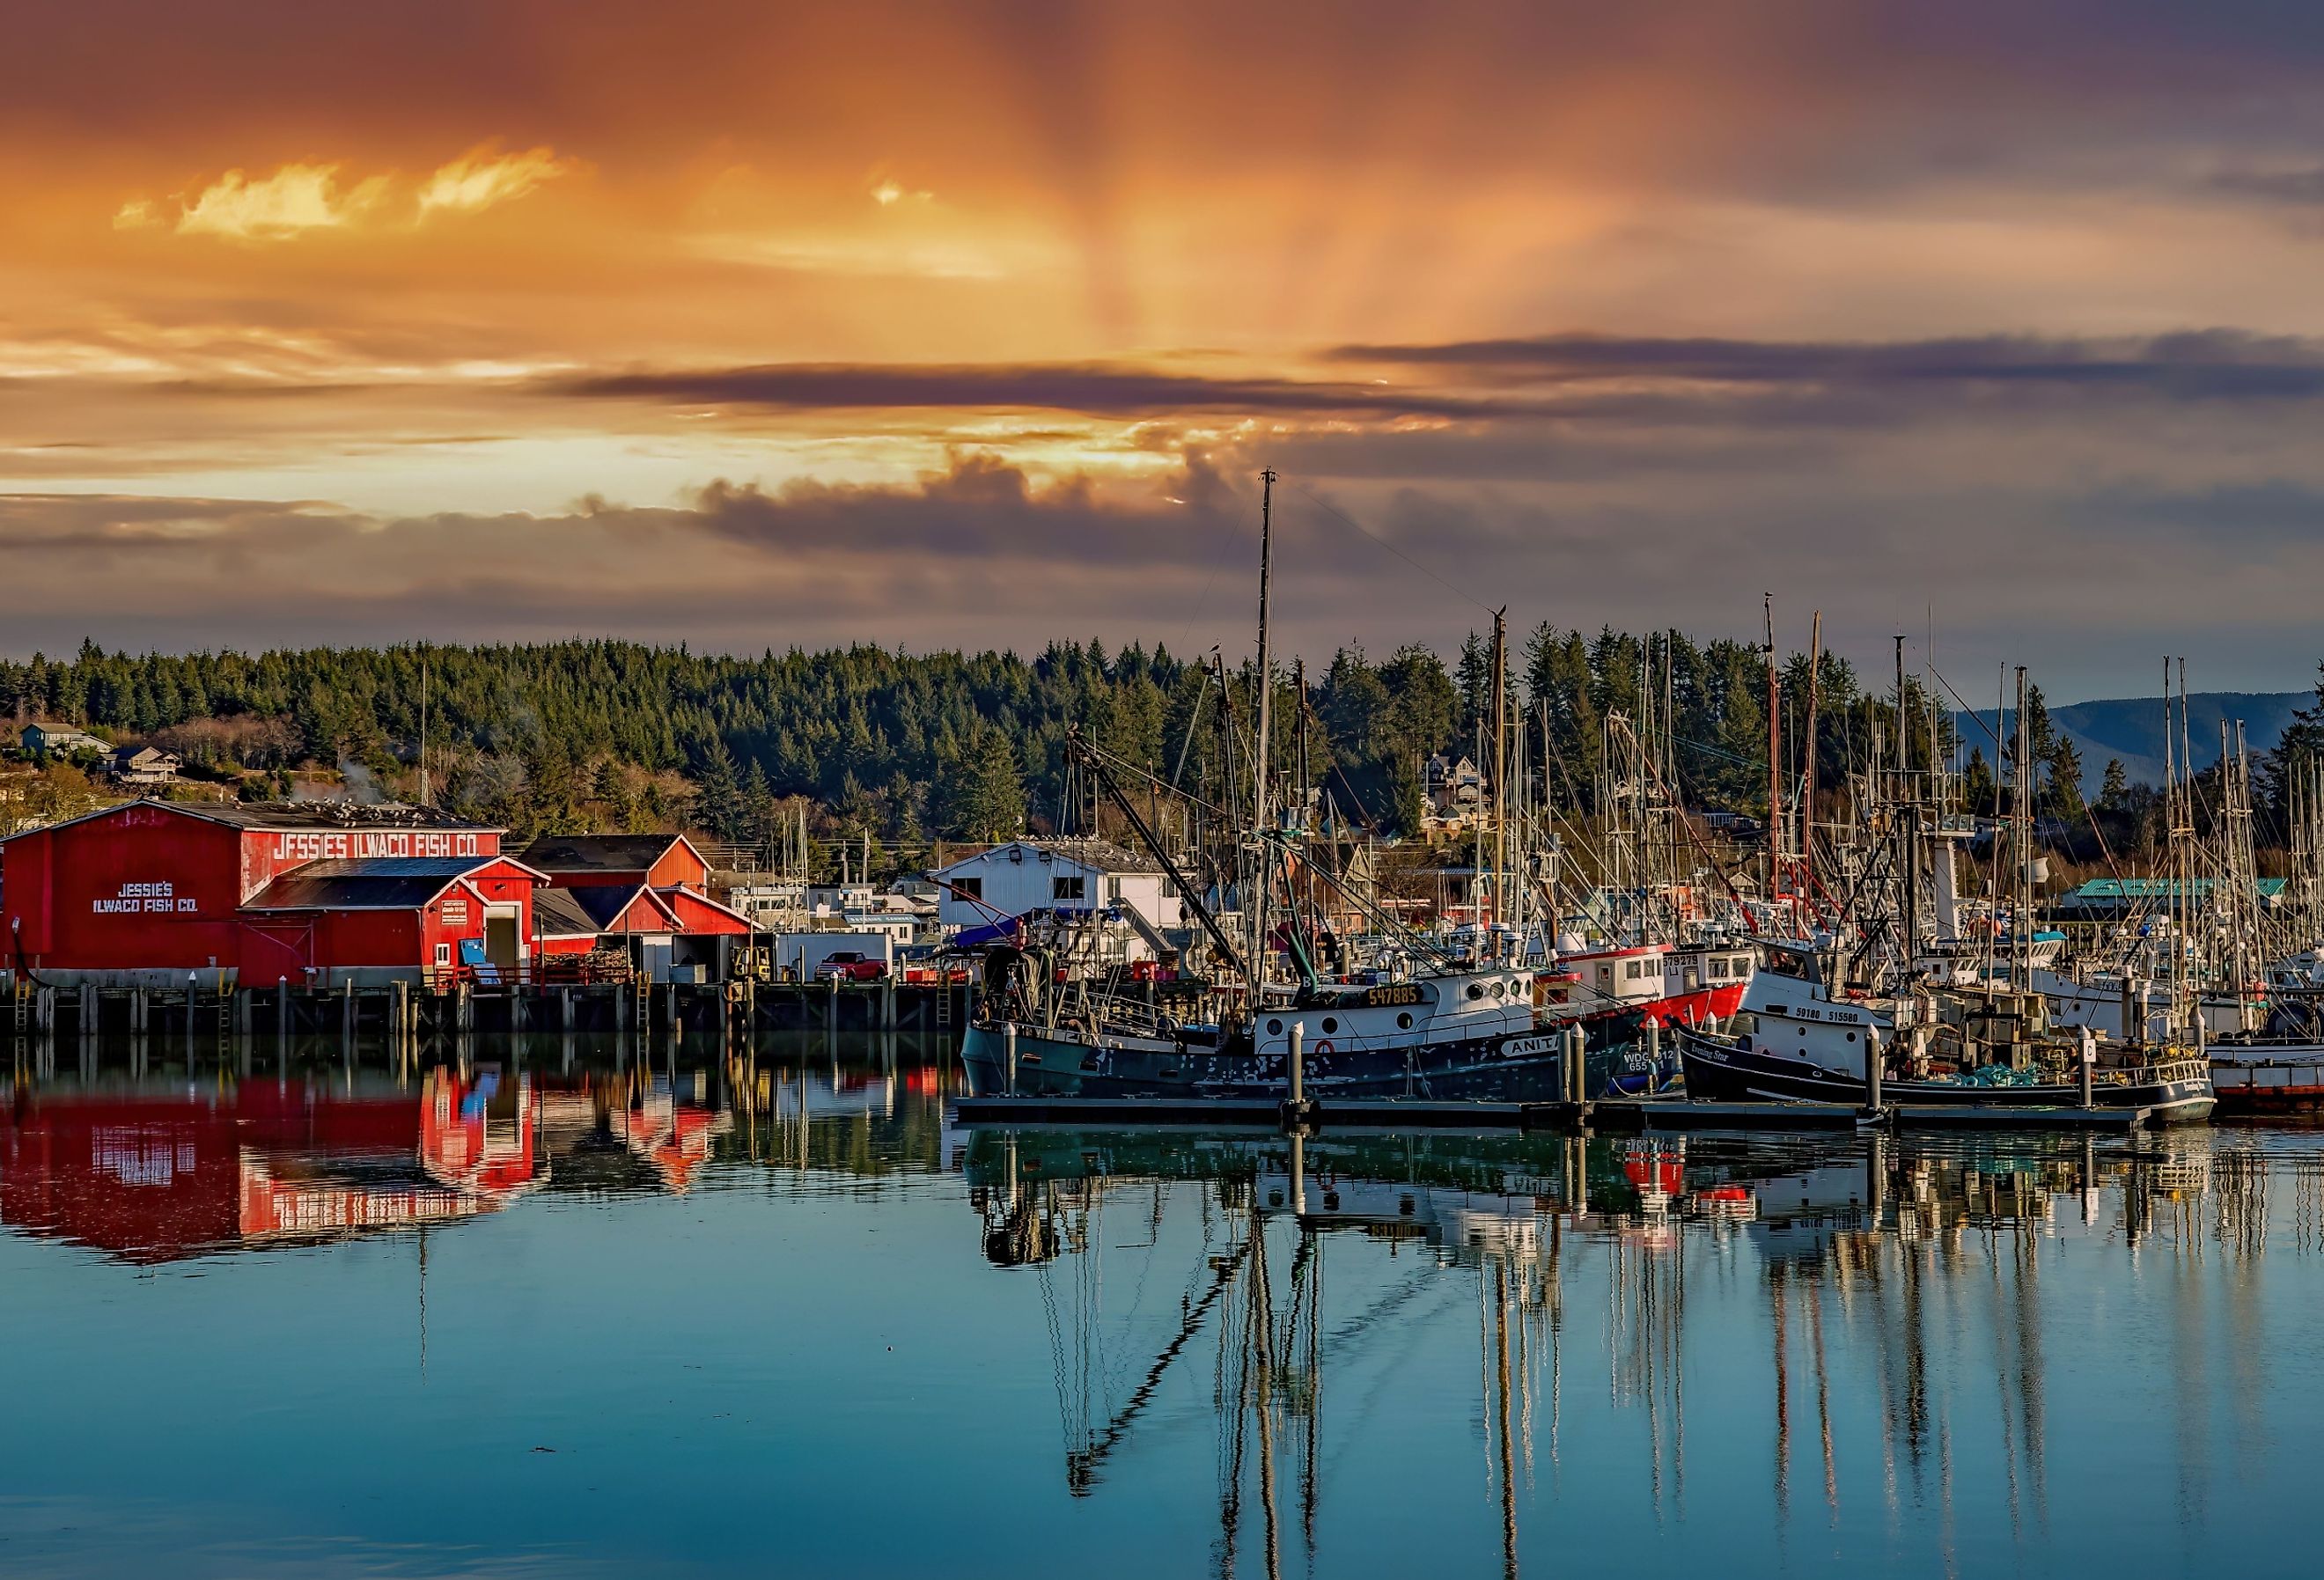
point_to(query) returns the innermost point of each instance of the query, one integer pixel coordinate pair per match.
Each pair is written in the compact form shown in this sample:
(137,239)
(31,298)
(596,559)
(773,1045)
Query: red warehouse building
(309,892)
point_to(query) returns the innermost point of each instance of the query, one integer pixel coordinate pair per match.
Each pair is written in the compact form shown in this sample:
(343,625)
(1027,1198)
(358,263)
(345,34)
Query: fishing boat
(1470,1034)
(1795,1041)
(1623,998)
(1867,997)
(1422,1024)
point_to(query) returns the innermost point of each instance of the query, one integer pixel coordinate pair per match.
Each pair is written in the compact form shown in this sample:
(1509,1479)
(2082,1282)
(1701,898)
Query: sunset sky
(757,325)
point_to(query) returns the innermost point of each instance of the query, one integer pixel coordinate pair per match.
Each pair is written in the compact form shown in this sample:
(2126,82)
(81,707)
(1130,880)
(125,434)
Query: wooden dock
(218,1012)
(1624,1116)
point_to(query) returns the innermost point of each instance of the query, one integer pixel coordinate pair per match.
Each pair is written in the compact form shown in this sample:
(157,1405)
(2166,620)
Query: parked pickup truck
(851,965)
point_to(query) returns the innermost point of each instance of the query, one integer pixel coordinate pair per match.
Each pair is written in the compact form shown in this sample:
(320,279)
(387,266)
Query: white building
(1059,875)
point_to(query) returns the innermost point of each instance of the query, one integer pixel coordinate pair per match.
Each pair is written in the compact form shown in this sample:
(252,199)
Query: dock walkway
(1614,1115)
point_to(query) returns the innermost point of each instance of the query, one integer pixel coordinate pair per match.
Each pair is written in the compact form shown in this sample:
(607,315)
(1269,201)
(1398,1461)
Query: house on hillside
(54,740)
(1455,787)
(145,766)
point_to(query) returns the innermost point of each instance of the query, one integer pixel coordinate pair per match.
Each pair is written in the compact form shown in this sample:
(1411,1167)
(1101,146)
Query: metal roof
(601,853)
(266,817)
(2135,889)
(271,814)
(557,914)
(393,884)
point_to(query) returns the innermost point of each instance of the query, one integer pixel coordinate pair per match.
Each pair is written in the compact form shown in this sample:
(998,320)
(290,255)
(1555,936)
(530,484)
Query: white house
(1055,874)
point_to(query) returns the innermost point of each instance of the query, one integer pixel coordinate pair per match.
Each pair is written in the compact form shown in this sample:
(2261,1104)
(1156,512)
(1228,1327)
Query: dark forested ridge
(595,733)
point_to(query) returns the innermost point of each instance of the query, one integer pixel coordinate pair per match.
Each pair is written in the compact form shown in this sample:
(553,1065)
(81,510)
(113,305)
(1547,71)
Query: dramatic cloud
(2214,364)
(903,318)
(1098,390)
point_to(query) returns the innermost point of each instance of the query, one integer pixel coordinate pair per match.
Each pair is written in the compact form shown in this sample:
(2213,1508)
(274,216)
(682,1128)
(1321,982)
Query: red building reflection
(153,1177)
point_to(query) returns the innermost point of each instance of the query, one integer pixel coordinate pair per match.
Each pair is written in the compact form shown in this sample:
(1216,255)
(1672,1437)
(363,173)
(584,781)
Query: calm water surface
(560,1311)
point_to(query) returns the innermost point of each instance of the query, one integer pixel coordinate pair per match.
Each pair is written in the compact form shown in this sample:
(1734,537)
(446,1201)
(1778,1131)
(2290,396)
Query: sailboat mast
(1261,743)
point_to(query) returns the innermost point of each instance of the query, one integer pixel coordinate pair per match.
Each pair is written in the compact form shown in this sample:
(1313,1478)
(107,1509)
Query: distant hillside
(2131,728)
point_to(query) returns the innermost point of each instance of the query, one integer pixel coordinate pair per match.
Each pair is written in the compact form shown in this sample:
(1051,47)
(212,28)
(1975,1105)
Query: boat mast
(1500,765)
(2021,839)
(1775,765)
(1261,747)
(1808,763)
(1908,808)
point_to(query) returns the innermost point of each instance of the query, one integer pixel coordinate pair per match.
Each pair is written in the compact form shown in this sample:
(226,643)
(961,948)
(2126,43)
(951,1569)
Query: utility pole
(423,727)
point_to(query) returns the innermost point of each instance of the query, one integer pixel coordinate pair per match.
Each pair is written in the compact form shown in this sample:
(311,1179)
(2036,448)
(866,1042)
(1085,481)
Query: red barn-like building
(640,886)
(308,891)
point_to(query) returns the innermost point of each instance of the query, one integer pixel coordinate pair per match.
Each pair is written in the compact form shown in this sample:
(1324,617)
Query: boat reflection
(1880,1262)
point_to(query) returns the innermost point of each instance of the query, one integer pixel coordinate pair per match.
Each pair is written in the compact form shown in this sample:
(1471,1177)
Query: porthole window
(1851,1037)
(1404,1022)
(1500,990)
(1275,1028)
(1329,1025)
(1476,990)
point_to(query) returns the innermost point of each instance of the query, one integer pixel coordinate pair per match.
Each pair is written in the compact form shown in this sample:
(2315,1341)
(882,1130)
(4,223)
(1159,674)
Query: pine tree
(1978,789)
(986,797)
(717,796)
(2062,797)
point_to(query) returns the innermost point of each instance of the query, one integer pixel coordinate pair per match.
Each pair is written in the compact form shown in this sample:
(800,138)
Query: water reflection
(1923,1262)
(154,1165)
(1346,1353)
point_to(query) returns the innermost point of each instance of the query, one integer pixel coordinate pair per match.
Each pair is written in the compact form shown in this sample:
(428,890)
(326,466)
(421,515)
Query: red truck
(851,965)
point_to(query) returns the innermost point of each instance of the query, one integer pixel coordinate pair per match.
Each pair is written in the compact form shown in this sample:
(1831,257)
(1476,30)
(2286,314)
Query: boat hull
(1622,1060)
(1521,1068)
(2254,1084)
(1721,1072)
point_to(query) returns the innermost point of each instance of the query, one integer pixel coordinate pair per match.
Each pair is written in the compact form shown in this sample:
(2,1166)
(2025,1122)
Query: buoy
(1322,1049)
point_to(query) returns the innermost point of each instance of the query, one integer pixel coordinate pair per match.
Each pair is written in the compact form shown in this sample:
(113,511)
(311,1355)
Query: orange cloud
(296,198)
(482,176)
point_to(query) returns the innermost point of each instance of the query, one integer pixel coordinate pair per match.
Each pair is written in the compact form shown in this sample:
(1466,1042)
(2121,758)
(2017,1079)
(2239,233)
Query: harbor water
(567,1308)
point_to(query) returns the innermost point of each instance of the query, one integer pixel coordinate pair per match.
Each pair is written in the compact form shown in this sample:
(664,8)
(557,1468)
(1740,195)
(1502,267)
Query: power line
(1352,524)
